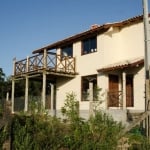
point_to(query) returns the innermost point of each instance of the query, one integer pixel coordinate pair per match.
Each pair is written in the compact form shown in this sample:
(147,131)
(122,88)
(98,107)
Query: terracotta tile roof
(93,31)
(122,65)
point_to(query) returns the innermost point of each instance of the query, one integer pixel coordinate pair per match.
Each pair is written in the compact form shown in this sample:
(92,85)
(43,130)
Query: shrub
(137,139)
(99,132)
(3,135)
(37,131)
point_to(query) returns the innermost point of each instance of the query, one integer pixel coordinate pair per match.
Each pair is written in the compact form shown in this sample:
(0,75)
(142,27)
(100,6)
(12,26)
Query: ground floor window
(85,80)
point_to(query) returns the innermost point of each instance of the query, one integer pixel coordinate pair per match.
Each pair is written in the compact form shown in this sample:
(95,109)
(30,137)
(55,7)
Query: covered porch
(45,67)
(120,93)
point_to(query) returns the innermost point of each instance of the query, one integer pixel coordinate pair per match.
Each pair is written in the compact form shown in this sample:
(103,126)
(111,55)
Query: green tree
(2,83)
(2,75)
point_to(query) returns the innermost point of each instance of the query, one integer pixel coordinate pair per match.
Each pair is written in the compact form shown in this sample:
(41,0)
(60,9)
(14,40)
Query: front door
(129,91)
(113,95)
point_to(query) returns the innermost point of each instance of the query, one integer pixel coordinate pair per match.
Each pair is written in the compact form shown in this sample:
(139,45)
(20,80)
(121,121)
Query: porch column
(26,87)
(44,78)
(124,90)
(13,94)
(26,94)
(53,110)
(90,98)
(13,86)
(44,90)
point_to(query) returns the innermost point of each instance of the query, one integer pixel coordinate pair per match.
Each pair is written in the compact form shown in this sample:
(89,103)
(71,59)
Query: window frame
(67,47)
(89,47)
(86,90)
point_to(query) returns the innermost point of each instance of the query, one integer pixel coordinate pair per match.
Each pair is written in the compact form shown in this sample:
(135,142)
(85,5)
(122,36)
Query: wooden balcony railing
(50,62)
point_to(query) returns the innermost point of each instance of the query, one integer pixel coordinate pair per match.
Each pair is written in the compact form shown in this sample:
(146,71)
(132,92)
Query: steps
(136,120)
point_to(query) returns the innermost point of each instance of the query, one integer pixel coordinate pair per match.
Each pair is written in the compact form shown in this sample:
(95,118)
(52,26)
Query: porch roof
(122,65)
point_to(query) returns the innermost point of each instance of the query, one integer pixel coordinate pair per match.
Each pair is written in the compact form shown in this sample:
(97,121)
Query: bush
(99,132)
(41,131)
(3,135)
(37,131)
(137,139)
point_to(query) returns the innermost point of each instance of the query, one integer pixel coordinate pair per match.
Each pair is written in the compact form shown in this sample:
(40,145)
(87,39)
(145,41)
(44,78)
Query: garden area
(39,131)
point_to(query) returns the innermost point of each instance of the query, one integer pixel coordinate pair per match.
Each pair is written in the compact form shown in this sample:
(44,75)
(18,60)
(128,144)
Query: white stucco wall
(113,46)
(139,91)
(122,44)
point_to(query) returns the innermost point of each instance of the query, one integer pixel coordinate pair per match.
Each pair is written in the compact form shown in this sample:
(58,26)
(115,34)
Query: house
(108,56)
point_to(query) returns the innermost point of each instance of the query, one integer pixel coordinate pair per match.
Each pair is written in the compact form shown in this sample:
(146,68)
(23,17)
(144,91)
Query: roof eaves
(76,37)
(122,65)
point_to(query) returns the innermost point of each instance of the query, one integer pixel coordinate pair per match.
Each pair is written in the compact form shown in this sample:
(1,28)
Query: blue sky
(26,25)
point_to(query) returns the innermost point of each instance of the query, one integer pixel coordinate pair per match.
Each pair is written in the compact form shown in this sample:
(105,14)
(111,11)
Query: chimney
(94,26)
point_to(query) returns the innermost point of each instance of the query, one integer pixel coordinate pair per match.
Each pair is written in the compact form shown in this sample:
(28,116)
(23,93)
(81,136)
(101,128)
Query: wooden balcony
(49,62)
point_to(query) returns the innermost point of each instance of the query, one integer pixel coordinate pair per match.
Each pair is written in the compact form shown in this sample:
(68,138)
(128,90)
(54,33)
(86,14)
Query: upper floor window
(67,51)
(89,45)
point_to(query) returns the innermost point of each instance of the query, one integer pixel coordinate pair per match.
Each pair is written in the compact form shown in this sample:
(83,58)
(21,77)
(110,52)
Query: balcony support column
(26,94)
(124,90)
(53,109)
(44,90)
(13,94)
(44,78)
(26,87)
(13,86)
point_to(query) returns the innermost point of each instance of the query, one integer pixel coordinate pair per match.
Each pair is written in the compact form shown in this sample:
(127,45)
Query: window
(67,51)
(85,80)
(89,45)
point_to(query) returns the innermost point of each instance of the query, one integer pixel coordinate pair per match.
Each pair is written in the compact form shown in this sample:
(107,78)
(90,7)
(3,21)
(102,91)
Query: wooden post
(13,94)
(26,93)
(26,86)
(124,89)
(45,59)
(13,86)
(90,98)
(44,78)
(44,90)
(53,110)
